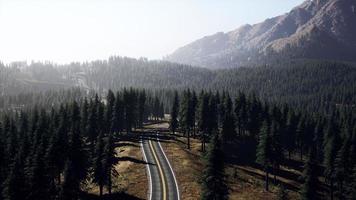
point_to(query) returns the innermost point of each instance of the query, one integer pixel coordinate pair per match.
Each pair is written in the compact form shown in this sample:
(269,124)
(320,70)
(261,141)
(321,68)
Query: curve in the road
(148,171)
(162,180)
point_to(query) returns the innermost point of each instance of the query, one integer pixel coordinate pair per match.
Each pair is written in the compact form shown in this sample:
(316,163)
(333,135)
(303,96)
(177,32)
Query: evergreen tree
(109,162)
(174,113)
(110,98)
(213,181)
(330,152)
(228,131)
(118,115)
(141,108)
(70,185)
(203,118)
(310,179)
(14,185)
(98,164)
(264,151)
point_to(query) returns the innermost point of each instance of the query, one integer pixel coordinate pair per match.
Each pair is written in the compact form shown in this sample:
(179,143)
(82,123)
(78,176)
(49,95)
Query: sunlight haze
(80,30)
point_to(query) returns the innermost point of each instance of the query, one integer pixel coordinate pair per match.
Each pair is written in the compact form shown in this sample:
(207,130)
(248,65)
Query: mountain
(318,29)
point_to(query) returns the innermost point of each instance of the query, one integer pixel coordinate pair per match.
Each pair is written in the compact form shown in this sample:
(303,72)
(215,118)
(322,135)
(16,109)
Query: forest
(49,152)
(320,86)
(269,136)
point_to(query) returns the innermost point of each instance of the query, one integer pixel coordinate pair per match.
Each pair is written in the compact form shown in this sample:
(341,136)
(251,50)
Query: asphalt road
(162,181)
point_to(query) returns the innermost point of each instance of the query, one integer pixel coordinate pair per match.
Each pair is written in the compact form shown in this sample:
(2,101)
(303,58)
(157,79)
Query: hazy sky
(78,30)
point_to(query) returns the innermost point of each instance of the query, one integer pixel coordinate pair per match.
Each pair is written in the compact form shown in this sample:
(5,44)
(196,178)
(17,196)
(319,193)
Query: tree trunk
(101,190)
(110,184)
(289,152)
(188,139)
(267,180)
(301,153)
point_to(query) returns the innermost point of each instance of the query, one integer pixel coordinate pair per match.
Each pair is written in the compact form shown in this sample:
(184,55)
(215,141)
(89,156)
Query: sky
(63,31)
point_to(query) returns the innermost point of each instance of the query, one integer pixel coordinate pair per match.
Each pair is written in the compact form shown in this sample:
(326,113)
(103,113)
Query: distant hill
(313,84)
(318,29)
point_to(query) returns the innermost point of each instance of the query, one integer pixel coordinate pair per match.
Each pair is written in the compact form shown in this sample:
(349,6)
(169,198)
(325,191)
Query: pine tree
(77,158)
(70,186)
(98,164)
(110,98)
(289,136)
(186,111)
(330,152)
(118,115)
(109,162)
(203,118)
(213,181)
(14,185)
(213,115)
(92,126)
(276,146)
(264,151)
(343,165)
(228,131)
(141,108)
(310,179)
(174,113)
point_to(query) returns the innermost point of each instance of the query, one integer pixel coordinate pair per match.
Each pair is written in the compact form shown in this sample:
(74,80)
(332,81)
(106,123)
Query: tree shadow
(114,196)
(130,159)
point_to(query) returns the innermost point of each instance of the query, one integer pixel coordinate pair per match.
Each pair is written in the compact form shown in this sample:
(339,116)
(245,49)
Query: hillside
(313,84)
(322,29)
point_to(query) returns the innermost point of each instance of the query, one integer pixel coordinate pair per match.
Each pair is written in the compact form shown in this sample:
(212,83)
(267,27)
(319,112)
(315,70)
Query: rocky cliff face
(318,29)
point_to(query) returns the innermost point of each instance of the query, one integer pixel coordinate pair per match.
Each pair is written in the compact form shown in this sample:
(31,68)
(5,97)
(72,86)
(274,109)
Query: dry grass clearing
(187,166)
(132,179)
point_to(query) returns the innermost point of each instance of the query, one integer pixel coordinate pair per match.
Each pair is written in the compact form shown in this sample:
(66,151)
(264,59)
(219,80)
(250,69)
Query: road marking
(169,164)
(148,169)
(160,170)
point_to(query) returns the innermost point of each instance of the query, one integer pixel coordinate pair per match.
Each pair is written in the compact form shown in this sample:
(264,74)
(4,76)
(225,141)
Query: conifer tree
(330,152)
(98,164)
(203,115)
(228,131)
(141,108)
(174,113)
(14,185)
(310,179)
(70,186)
(110,98)
(264,151)
(109,161)
(118,115)
(213,181)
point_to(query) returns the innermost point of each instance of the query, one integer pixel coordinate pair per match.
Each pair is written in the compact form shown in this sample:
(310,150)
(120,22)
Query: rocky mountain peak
(317,29)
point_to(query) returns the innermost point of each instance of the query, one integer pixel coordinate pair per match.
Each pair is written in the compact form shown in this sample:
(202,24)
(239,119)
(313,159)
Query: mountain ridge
(321,29)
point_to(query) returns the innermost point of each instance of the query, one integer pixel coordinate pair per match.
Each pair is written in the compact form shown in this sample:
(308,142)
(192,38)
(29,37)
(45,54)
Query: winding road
(162,181)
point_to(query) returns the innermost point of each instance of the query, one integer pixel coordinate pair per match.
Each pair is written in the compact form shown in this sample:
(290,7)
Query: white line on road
(148,169)
(169,164)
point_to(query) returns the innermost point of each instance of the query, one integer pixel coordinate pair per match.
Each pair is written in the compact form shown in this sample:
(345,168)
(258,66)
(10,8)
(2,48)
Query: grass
(131,182)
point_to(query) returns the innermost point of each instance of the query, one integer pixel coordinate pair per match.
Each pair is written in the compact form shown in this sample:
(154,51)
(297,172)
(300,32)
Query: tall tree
(213,182)
(264,151)
(98,164)
(109,160)
(310,179)
(110,98)
(141,107)
(174,113)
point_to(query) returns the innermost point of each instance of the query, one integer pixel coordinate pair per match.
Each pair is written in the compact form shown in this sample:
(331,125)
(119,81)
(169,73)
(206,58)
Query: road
(162,182)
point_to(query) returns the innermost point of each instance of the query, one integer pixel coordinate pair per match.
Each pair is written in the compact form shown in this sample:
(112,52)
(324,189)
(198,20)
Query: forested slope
(318,85)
